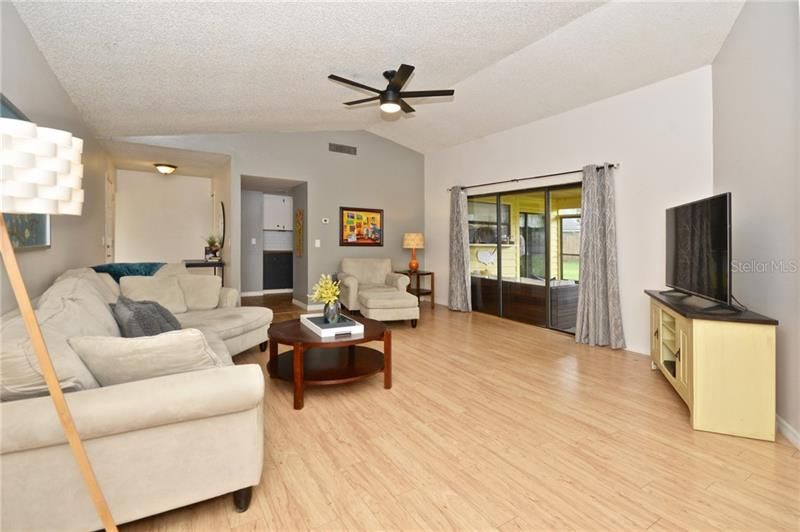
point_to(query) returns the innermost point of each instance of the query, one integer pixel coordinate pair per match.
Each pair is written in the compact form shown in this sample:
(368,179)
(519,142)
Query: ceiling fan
(392,97)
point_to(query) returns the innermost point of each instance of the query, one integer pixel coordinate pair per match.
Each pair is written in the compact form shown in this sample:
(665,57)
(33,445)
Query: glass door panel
(564,256)
(484,261)
(524,255)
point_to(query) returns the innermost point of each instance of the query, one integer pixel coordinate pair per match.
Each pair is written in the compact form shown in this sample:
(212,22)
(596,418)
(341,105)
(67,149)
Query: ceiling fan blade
(400,77)
(425,94)
(365,100)
(405,107)
(340,79)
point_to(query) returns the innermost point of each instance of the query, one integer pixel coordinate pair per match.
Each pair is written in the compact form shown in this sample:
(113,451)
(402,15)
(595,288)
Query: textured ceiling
(144,68)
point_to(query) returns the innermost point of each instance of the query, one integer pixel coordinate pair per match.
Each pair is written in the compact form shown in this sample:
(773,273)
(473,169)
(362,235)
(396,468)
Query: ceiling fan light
(164,168)
(390,107)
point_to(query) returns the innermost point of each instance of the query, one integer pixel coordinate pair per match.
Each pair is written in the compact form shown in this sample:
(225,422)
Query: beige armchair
(360,276)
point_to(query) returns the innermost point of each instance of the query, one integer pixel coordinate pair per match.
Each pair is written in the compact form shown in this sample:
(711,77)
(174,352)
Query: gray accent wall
(384,175)
(300,264)
(31,86)
(252,228)
(755,88)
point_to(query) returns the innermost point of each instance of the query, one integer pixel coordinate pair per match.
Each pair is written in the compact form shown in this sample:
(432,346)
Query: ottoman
(389,306)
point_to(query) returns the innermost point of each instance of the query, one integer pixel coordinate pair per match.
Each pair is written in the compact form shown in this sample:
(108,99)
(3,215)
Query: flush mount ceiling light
(164,168)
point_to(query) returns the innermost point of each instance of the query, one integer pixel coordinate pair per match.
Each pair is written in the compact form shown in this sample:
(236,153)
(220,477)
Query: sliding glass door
(524,249)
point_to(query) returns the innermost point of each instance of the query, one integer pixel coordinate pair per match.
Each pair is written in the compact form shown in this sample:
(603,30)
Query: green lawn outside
(571,267)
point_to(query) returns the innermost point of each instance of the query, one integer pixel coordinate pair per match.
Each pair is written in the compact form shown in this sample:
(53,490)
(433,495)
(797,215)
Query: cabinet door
(684,375)
(655,334)
(286,210)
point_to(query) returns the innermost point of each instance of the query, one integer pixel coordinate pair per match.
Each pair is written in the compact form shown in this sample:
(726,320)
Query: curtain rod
(516,180)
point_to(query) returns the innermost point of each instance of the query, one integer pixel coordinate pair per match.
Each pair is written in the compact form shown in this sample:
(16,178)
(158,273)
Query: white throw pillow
(163,290)
(201,292)
(118,360)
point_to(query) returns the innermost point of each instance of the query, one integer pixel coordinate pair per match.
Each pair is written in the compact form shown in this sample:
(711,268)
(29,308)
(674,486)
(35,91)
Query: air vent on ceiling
(341,148)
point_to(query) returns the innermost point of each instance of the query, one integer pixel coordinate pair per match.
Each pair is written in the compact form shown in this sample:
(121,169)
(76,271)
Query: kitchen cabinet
(278,212)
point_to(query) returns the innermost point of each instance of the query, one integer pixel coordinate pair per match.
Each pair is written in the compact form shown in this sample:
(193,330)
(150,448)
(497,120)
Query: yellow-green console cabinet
(722,364)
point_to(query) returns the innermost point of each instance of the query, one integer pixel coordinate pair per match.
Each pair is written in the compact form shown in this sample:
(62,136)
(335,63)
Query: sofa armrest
(228,298)
(398,280)
(348,280)
(100,412)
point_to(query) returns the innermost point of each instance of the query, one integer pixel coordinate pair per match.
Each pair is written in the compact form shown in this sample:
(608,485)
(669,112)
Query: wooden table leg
(273,355)
(297,374)
(387,359)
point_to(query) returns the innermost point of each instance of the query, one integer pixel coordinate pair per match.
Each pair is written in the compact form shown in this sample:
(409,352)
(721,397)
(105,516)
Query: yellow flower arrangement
(326,290)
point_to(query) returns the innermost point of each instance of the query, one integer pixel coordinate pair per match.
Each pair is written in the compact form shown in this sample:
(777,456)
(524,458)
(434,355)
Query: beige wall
(161,218)
(755,158)
(27,81)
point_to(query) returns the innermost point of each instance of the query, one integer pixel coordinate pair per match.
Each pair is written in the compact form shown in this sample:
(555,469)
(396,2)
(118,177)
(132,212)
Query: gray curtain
(599,320)
(459,298)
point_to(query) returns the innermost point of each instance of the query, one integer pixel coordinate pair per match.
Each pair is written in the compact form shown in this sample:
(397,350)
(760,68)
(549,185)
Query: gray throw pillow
(142,318)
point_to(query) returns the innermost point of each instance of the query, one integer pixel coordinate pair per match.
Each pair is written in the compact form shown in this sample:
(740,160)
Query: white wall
(161,218)
(661,135)
(755,156)
(32,87)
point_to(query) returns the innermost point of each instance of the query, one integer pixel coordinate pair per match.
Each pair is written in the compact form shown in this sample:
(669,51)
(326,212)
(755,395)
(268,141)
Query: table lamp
(41,173)
(413,241)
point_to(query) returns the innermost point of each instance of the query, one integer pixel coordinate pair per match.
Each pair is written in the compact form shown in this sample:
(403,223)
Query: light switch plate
(317,243)
(252,241)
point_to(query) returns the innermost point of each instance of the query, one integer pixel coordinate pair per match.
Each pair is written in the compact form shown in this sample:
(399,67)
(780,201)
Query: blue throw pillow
(142,318)
(122,269)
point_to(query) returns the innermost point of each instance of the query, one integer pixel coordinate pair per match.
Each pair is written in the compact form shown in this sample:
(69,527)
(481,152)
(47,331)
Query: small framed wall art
(360,227)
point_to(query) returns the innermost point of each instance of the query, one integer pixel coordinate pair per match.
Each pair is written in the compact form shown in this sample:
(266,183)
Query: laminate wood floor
(493,424)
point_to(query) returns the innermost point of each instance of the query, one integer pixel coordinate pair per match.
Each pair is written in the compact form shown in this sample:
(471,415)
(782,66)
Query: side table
(415,288)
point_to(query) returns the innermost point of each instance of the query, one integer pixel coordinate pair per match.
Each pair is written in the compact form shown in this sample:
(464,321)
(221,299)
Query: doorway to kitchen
(525,255)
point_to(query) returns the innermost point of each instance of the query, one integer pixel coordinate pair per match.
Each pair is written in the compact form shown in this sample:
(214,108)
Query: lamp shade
(413,241)
(40,169)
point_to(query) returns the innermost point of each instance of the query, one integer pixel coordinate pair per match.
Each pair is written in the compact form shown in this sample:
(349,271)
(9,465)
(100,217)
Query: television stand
(675,293)
(722,364)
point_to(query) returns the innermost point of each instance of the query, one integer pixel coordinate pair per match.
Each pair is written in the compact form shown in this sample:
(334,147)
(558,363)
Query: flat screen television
(699,248)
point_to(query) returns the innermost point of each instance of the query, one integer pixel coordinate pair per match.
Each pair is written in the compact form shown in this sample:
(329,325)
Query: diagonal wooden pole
(46,365)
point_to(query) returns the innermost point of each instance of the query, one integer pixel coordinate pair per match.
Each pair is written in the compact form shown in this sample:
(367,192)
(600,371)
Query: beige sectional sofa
(155,444)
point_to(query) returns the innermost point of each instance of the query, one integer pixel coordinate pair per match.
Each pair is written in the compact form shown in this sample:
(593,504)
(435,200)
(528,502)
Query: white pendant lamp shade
(41,169)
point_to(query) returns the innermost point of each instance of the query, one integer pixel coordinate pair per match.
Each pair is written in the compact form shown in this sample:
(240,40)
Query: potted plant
(213,245)
(327,291)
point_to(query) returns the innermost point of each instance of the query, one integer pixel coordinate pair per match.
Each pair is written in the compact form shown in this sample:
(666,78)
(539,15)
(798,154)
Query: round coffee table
(336,360)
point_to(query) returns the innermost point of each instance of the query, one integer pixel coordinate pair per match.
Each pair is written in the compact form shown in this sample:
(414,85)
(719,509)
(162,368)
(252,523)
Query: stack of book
(343,327)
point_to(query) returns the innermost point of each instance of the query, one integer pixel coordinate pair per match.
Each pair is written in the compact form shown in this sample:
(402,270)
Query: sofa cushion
(200,291)
(118,360)
(163,290)
(172,269)
(227,322)
(143,318)
(75,307)
(103,283)
(388,300)
(217,344)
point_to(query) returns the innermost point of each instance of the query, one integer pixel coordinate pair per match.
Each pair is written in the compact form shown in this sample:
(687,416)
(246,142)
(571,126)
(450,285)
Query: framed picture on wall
(26,231)
(360,227)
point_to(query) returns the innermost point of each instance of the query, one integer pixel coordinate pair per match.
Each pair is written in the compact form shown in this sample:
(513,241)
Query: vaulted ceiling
(142,68)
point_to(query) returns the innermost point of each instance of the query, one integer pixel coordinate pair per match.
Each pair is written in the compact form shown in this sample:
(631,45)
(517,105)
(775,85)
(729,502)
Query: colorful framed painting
(27,231)
(360,227)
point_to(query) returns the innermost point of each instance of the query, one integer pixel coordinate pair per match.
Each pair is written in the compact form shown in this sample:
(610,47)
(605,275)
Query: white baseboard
(306,306)
(266,292)
(788,431)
